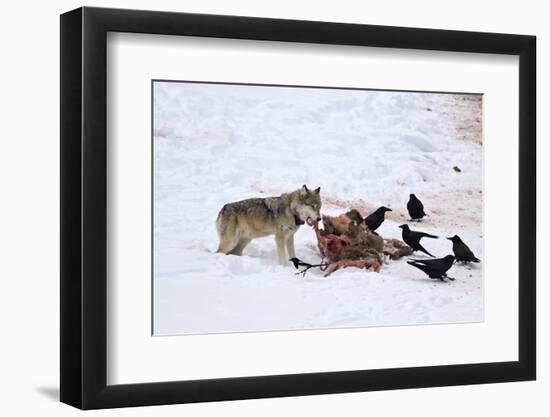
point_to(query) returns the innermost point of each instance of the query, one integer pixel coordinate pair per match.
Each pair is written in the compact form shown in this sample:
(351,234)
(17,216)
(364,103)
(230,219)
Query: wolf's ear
(317,190)
(305,190)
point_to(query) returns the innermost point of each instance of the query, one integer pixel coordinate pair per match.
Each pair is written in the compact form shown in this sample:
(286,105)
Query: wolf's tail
(225,226)
(219,224)
(220,229)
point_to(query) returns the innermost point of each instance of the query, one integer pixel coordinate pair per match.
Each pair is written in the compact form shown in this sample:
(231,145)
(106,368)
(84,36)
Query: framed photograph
(257,208)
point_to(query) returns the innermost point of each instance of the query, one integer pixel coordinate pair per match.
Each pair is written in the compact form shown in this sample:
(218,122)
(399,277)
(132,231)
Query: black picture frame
(84,207)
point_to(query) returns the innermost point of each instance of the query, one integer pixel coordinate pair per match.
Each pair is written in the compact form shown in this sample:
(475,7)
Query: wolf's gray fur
(240,222)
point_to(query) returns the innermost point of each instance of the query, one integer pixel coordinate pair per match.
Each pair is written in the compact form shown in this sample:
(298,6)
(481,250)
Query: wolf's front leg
(280,241)
(290,246)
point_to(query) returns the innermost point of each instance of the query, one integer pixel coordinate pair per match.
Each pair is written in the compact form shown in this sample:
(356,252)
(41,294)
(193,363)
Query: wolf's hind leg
(227,244)
(238,250)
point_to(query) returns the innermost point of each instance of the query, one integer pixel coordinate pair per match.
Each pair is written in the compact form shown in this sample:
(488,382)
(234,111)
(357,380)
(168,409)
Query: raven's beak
(450,238)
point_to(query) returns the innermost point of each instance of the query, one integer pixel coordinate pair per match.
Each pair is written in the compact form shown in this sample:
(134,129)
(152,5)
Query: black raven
(415,208)
(461,251)
(434,268)
(374,220)
(412,238)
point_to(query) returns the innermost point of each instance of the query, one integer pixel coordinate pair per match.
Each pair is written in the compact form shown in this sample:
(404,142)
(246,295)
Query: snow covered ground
(215,144)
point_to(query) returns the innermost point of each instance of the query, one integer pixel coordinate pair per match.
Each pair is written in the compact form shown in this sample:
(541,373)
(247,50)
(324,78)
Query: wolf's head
(306,203)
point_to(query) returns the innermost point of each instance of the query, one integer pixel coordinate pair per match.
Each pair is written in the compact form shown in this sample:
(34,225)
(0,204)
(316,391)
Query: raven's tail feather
(421,248)
(420,266)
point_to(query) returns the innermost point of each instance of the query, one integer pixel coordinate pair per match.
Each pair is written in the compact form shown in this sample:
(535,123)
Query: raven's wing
(465,251)
(372,221)
(415,206)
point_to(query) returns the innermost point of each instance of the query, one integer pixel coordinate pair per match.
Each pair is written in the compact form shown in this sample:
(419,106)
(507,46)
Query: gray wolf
(240,222)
